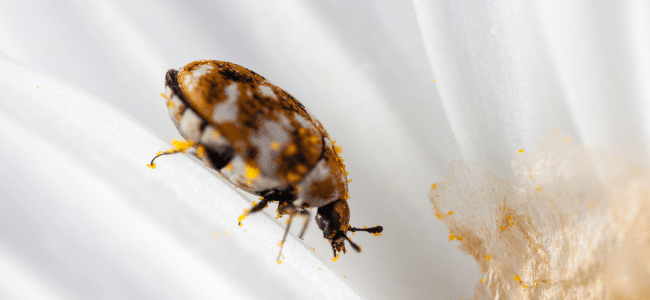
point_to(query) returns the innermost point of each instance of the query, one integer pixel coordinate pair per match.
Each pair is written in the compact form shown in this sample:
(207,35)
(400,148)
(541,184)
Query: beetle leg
(305,213)
(284,238)
(259,206)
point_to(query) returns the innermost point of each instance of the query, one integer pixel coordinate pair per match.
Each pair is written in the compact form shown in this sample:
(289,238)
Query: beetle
(263,141)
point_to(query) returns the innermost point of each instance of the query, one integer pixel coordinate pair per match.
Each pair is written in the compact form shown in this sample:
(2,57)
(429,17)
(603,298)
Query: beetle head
(333,219)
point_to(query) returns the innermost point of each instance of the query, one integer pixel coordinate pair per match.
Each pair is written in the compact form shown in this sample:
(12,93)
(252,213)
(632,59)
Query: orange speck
(521,150)
(517,278)
(504,208)
(504,228)
(460,238)
(438,215)
(152,166)
(487,257)
(335,258)
(482,279)
(343,276)
(433,186)
(509,218)
(451,237)
(291,150)
(524,286)
(451,212)
(512,223)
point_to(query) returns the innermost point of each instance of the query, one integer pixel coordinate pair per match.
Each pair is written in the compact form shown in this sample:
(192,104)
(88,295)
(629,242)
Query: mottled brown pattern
(253,109)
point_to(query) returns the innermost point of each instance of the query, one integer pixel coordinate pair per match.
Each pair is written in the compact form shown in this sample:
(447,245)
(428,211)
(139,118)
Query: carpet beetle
(263,141)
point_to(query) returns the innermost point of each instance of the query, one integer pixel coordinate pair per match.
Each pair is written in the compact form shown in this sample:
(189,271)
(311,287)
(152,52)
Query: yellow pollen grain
(182,145)
(524,286)
(343,276)
(567,140)
(275,145)
(557,131)
(517,278)
(279,262)
(171,104)
(280,244)
(228,167)
(252,172)
(152,166)
(512,223)
(433,186)
(159,153)
(335,258)
(161,94)
(504,228)
(438,215)
(314,139)
(451,237)
(460,238)
(530,176)
(451,212)
(349,180)
(482,279)
(487,257)
(241,218)
(539,189)
(509,218)
(37,88)
(200,151)
(434,80)
(377,234)
(521,150)
(318,268)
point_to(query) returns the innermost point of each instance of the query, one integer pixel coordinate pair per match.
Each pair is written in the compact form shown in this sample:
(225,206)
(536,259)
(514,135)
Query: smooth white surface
(510,73)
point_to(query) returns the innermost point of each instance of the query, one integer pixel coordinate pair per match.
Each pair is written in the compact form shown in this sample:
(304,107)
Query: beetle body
(263,141)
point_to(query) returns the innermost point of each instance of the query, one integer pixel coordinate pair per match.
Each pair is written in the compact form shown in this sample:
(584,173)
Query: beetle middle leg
(292,210)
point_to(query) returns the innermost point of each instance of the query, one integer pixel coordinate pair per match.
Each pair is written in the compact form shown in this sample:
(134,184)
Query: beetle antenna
(355,246)
(284,238)
(161,154)
(373,230)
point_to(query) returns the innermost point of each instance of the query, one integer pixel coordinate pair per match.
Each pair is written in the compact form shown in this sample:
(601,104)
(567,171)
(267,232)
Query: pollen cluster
(574,224)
